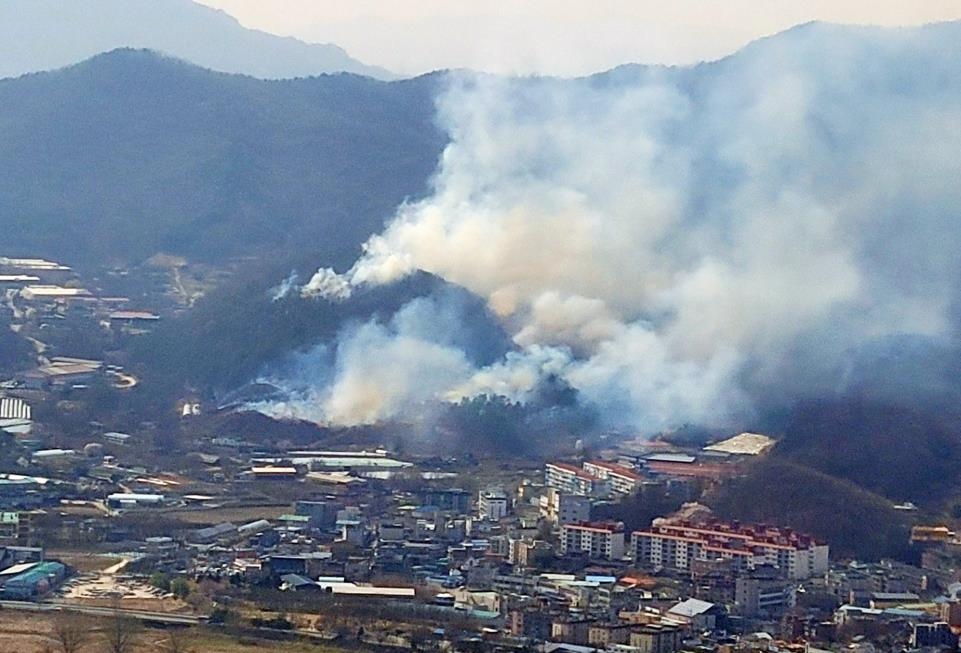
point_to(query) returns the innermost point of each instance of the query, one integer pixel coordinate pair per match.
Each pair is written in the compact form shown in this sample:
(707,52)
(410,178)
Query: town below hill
(239,526)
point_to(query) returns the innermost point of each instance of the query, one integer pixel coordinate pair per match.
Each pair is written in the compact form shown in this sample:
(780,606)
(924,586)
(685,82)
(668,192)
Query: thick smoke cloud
(680,245)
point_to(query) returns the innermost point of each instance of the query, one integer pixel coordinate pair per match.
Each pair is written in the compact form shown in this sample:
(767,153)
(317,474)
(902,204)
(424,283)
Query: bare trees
(121,633)
(177,641)
(70,631)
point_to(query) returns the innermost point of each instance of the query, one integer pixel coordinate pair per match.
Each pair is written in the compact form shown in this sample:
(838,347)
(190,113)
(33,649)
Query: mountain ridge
(97,151)
(38,35)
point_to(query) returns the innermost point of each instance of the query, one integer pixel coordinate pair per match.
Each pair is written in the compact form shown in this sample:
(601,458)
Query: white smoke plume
(674,243)
(284,288)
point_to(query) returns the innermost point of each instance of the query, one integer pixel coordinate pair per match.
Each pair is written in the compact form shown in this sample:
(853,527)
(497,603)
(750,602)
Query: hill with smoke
(678,245)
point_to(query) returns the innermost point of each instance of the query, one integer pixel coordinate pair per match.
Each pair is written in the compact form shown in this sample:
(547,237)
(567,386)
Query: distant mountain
(132,153)
(46,34)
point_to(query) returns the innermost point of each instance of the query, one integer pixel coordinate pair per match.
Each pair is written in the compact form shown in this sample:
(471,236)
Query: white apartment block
(678,545)
(571,479)
(492,505)
(601,541)
(620,479)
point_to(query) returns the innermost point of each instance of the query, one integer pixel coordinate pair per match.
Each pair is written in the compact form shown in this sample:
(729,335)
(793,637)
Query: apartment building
(492,504)
(574,480)
(563,508)
(621,480)
(678,545)
(602,541)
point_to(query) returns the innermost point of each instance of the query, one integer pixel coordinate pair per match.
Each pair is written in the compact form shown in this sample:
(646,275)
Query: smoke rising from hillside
(682,245)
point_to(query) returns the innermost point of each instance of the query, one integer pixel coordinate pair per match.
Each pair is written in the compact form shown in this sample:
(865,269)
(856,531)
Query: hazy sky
(565,37)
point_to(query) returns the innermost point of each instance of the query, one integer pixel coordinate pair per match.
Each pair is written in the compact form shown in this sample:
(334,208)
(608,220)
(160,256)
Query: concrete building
(677,545)
(620,480)
(603,635)
(764,594)
(655,638)
(571,630)
(17,528)
(492,504)
(602,541)
(573,480)
(450,499)
(322,513)
(937,635)
(563,508)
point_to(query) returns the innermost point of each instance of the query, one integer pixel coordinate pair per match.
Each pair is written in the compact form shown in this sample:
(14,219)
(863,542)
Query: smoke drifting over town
(681,246)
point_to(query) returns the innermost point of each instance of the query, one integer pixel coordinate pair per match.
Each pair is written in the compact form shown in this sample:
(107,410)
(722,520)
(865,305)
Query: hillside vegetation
(856,523)
(899,452)
(131,153)
(233,333)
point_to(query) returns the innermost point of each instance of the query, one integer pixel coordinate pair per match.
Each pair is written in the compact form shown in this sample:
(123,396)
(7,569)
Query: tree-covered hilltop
(899,451)
(855,522)
(229,337)
(132,153)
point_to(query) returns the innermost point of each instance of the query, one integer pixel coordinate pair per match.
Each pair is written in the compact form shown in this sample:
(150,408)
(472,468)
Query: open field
(25,632)
(84,562)
(234,514)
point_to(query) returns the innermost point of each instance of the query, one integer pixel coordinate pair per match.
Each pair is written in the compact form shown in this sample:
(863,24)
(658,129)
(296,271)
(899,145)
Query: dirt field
(238,516)
(23,632)
(84,562)
(109,590)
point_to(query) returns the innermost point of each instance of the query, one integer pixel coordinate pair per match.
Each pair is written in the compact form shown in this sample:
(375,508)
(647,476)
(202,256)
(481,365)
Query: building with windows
(763,593)
(600,541)
(574,480)
(563,508)
(677,545)
(492,504)
(655,638)
(620,479)
(17,528)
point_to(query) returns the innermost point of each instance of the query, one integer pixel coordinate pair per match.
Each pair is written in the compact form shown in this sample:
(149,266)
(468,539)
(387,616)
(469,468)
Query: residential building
(937,635)
(764,593)
(603,635)
(677,544)
(17,528)
(603,541)
(655,638)
(620,480)
(492,505)
(563,508)
(574,480)
(571,631)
